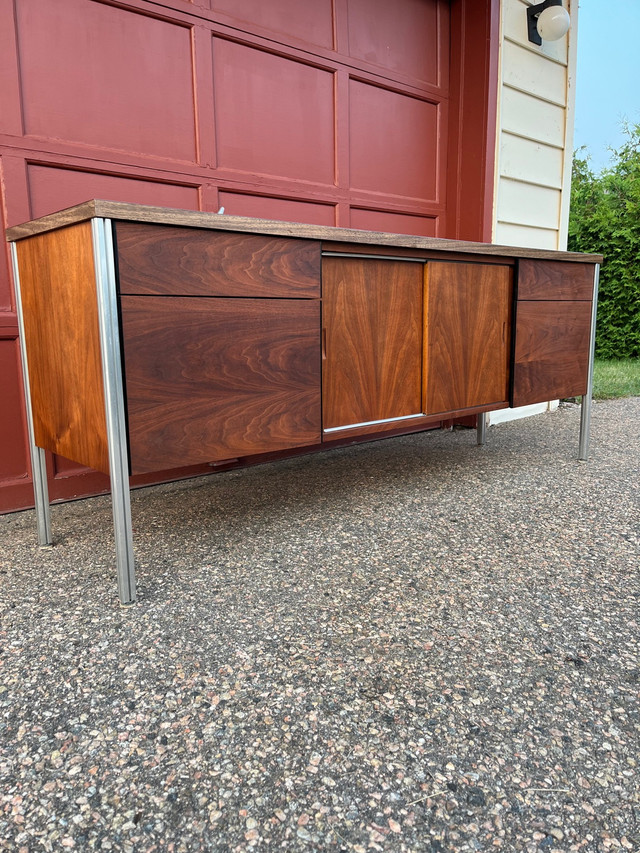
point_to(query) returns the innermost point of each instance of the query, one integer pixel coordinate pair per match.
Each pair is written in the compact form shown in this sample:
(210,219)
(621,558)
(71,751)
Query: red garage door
(320,111)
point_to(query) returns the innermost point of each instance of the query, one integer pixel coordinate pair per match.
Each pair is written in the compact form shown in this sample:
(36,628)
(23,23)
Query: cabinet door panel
(372,329)
(551,352)
(468,332)
(210,379)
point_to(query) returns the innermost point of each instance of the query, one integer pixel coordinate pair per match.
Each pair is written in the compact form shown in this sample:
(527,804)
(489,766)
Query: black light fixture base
(532,19)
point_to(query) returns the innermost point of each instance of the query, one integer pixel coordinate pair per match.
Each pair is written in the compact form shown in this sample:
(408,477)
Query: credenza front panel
(551,351)
(468,328)
(214,378)
(166,260)
(372,340)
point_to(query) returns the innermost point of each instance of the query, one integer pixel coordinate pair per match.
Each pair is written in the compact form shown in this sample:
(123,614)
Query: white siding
(527,116)
(534,141)
(535,133)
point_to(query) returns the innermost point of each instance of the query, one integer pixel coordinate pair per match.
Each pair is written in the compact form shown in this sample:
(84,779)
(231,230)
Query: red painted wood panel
(401,158)
(308,22)
(397,223)
(102,75)
(474,80)
(10,112)
(394,36)
(14,452)
(284,209)
(52,189)
(6,295)
(262,131)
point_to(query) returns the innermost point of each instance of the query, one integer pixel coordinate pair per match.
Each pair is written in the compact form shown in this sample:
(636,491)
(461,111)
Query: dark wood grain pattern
(168,260)
(372,324)
(468,334)
(210,379)
(58,289)
(420,254)
(551,280)
(551,351)
(199,219)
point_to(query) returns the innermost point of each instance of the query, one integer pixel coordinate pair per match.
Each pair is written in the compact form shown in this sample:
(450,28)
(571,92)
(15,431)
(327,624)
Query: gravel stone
(410,645)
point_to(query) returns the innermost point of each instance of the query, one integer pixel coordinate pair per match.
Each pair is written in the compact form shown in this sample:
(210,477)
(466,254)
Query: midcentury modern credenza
(155,339)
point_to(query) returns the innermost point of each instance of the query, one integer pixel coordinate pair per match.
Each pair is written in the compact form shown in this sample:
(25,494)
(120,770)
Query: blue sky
(608,75)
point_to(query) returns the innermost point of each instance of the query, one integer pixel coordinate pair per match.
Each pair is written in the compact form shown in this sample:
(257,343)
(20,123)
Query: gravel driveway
(412,645)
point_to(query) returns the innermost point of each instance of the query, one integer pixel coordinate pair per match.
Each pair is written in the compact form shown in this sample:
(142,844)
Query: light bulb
(553,23)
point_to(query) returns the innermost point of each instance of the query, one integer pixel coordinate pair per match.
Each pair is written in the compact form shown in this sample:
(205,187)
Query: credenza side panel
(210,379)
(58,291)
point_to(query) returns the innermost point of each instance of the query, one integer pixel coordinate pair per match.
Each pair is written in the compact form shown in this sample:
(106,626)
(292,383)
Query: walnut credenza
(156,339)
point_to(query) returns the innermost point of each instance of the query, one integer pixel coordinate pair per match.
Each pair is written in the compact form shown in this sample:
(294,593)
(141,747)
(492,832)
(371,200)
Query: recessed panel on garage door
(393,142)
(397,223)
(274,115)
(13,446)
(52,189)
(283,209)
(309,22)
(395,36)
(100,75)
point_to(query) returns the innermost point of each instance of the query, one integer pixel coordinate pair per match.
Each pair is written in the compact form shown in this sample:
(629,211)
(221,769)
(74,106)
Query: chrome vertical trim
(38,458)
(481,429)
(114,405)
(585,408)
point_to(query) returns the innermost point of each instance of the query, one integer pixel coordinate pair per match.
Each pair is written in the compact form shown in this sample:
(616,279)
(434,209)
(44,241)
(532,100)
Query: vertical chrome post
(481,429)
(114,406)
(38,457)
(585,408)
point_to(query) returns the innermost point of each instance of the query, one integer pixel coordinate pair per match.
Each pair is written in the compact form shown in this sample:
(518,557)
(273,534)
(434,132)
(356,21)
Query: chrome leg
(481,429)
(114,407)
(585,408)
(41,495)
(38,456)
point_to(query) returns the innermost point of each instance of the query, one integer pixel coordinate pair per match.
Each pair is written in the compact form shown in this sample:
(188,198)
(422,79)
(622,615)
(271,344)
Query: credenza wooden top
(223,222)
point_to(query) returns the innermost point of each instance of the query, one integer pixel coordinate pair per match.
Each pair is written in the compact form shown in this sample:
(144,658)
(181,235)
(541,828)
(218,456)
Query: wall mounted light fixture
(548,20)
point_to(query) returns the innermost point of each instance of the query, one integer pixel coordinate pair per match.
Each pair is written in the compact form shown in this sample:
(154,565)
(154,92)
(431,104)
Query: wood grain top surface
(199,219)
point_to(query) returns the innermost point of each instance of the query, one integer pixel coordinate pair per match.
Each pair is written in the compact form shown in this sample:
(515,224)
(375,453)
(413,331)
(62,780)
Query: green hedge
(605,218)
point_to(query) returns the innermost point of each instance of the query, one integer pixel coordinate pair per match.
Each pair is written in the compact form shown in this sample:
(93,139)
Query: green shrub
(605,218)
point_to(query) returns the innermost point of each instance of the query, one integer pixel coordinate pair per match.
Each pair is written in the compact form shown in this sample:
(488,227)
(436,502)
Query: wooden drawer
(211,379)
(554,280)
(551,351)
(164,260)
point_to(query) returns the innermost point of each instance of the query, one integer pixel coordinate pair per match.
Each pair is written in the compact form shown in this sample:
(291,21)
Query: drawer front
(551,351)
(214,379)
(554,280)
(166,260)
